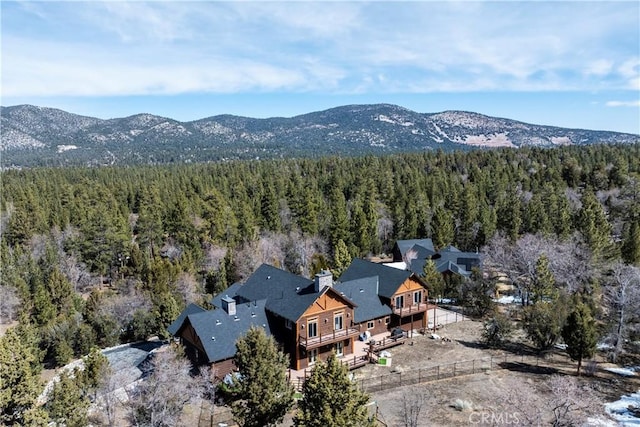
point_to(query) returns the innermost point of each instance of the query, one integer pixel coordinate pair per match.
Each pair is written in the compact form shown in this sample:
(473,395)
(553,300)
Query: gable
(410,285)
(326,302)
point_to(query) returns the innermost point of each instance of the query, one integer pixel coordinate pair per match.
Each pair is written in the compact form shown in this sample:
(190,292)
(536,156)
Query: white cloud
(120,48)
(623,103)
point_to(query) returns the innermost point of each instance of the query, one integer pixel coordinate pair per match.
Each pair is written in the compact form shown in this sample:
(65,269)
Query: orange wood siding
(407,289)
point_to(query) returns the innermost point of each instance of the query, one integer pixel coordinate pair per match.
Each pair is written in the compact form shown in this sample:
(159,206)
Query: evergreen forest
(99,256)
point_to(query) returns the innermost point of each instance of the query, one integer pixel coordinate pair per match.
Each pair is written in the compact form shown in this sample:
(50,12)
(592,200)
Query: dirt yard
(496,396)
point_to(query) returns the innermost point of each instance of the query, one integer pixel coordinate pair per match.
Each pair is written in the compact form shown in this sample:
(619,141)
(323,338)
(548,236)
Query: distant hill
(39,136)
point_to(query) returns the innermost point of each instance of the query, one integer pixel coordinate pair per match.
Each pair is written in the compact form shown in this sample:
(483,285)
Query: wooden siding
(222,368)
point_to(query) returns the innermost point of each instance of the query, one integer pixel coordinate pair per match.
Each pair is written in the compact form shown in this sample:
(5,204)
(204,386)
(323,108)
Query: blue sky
(570,64)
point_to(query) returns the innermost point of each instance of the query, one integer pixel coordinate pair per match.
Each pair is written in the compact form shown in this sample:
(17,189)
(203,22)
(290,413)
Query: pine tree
(443,227)
(543,323)
(543,282)
(341,258)
(631,243)
(19,378)
(330,398)
(579,334)
(593,223)
(67,406)
(264,392)
(433,279)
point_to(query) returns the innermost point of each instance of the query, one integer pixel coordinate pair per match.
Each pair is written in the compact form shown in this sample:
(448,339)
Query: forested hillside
(104,255)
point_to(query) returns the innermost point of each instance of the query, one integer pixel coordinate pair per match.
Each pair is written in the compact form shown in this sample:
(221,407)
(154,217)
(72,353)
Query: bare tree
(622,298)
(569,261)
(187,286)
(573,403)
(9,302)
(413,402)
(409,256)
(159,399)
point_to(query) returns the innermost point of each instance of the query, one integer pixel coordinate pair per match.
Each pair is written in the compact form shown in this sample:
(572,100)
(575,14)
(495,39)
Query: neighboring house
(418,249)
(449,260)
(402,291)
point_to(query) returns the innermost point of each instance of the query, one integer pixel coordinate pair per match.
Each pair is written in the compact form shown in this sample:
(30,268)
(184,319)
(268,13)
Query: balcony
(335,336)
(412,309)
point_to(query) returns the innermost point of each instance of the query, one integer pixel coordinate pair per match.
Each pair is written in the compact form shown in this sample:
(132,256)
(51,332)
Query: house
(308,318)
(402,291)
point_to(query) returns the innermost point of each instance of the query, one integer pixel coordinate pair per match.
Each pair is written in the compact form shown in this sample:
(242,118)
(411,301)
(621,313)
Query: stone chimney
(229,305)
(323,279)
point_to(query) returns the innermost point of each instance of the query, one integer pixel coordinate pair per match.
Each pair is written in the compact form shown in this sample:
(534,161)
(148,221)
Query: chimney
(323,279)
(229,305)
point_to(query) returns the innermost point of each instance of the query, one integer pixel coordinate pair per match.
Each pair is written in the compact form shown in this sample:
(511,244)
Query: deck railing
(335,336)
(412,309)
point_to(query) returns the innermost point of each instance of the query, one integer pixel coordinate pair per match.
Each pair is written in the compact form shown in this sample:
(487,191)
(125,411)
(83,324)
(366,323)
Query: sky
(564,63)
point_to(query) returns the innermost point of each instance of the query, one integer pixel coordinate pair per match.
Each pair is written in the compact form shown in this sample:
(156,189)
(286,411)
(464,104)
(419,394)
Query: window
(386,320)
(339,348)
(337,321)
(288,324)
(370,325)
(312,328)
(313,356)
(400,301)
(417,297)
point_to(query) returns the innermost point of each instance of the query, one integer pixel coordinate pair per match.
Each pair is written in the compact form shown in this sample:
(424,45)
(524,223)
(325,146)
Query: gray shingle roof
(219,331)
(389,278)
(364,292)
(287,295)
(231,292)
(424,247)
(190,309)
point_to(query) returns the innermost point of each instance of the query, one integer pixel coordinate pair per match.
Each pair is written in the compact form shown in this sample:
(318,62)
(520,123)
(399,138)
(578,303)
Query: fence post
(419,376)
(454,369)
(473,369)
(438,372)
(491,362)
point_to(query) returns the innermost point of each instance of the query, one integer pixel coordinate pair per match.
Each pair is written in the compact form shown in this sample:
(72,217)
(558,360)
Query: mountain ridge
(43,136)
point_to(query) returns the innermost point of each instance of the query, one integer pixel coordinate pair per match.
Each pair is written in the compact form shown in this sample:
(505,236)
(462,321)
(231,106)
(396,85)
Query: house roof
(364,292)
(423,247)
(389,278)
(231,292)
(190,309)
(218,331)
(287,295)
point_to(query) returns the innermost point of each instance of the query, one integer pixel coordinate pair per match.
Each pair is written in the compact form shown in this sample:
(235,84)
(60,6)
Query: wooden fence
(548,363)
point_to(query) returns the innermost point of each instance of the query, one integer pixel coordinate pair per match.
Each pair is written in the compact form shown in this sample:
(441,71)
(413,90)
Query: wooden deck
(388,342)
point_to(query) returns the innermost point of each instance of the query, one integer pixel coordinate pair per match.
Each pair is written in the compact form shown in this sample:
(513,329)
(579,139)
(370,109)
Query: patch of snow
(509,299)
(63,148)
(604,346)
(491,140)
(625,372)
(561,346)
(620,409)
(561,140)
